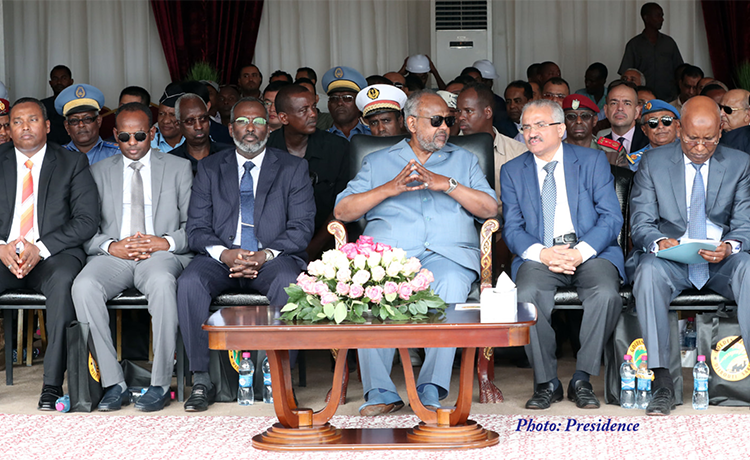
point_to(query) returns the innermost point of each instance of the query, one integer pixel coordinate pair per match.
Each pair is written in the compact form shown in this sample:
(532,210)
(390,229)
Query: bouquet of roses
(362,276)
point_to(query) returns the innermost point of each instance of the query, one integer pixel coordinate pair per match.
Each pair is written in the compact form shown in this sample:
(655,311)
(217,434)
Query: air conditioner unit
(461,34)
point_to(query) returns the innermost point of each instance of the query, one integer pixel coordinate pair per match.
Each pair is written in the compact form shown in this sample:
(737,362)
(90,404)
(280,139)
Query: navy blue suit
(597,220)
(284,221)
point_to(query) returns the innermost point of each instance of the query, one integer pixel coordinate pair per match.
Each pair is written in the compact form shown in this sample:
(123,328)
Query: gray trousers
(597,282)
(103,278)
(658,281)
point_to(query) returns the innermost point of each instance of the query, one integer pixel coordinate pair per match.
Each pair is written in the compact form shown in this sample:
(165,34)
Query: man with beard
(381,109)
(192,114)
(342,85)
(580,118)
(59,78)
(250,219)
(660,121)
(421,195)
(80,106)
(327,156)
(249,80)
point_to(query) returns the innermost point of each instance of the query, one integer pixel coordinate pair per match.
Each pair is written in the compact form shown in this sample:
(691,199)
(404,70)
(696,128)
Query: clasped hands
(20,264)
(723,250)
(561,259)
(243,263)
(138,247)
(429,180)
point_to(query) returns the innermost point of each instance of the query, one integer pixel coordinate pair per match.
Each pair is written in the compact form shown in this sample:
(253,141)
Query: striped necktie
(27,204)
(549,202)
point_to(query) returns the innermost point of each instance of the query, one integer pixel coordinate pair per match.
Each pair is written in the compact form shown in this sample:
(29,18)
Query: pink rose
(428,274)
(350,249)
(356,291)
(328,297)
(302,277)
(375,293)
(307,285)
(364,239)
(404,290)
(390,287)
(342,288)
(380,247)
(412,266)
(420,283)
(320,288)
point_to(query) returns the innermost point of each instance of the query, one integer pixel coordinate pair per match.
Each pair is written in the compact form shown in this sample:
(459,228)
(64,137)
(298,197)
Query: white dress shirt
(563,220)
(628,138)
(21,170)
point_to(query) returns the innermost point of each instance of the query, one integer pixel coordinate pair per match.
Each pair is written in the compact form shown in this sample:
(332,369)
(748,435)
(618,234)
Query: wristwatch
(269,255)
(452,184)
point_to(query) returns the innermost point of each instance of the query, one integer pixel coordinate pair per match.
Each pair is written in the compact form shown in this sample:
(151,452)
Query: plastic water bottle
(627,384)
(267,390)
(63,404)
(700,384)
(644,377)
(245,395)
(690,334)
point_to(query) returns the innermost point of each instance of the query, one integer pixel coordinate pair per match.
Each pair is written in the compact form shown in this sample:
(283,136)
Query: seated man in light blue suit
(562,219)
(421,196)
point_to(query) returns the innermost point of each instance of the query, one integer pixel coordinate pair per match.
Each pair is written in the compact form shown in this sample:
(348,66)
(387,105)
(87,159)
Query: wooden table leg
(488,392)
(344,382)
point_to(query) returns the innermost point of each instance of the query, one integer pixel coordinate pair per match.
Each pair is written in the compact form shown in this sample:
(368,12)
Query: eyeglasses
(553,96)
(140,136)
(728,110)
(348,99)
(584,116)
(5,125)
(78,121)
(538,126)
(244,121)
(192,120)
(437,120)
(654,122)
(697,142)
(398,84)
(268,103)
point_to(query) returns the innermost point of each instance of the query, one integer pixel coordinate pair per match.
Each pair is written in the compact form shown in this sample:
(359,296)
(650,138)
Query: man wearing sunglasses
(80,106)
(141,243)
(342,85)
(692,189)
(422,195)
(735,107)
(580,119)
(660,122)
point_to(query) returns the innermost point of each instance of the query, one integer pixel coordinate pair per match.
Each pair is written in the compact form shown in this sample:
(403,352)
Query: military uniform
(103,149)
(85,98)
(339,79)
(616,154)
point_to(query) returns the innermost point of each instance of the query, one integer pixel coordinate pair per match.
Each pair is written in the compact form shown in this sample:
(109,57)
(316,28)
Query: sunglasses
(437,120)
(348,98)
(654,122)
(729,110)
(78,121)
(192,120)
(140,136)
(585,116)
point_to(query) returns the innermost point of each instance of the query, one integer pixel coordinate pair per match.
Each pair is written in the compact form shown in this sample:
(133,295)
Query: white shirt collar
(257,161)
(37,158)
(145,159)
(558,157)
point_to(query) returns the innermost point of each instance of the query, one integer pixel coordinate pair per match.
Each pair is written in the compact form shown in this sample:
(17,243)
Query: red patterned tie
(27,204)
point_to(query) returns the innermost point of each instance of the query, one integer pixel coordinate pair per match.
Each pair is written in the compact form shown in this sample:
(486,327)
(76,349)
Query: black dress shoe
(200,398)
(49,396)
(583,395)
(661,403)
(154,399)
(544,396)
(114,398)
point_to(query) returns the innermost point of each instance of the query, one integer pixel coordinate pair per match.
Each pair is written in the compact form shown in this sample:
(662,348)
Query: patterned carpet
(72,436)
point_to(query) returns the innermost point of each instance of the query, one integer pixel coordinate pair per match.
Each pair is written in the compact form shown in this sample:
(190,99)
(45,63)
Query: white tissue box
(499,304)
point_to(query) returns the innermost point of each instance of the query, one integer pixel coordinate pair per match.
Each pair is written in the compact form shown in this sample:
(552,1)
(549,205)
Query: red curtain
(728,36)
(222,33)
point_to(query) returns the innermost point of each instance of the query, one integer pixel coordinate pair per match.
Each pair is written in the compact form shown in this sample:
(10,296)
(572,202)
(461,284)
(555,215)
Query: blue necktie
(247,209)
(549,201)
(698,273)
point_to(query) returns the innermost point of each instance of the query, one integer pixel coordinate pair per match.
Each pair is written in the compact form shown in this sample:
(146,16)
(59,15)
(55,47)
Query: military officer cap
(579,101)
(449,98)
(380,98)
(657,105)
(79,98)
(343,78)
(4,106)
(172,92)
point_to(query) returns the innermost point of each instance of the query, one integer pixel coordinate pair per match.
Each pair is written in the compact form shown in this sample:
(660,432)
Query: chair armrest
(338,230)
(489,227)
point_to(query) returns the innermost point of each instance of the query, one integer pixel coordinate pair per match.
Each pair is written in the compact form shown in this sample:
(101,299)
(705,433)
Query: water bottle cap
(59,406)
(627,357)
(701,358)
(246,354)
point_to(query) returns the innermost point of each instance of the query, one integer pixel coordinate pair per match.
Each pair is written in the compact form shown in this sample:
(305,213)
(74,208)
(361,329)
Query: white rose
(378,273)
(394,268)
(329,271)
(329,257)
(316,268)
(361,277)
(374,260)
(387,258)
(344,275)
(399,255)
(341,260)
(360,261)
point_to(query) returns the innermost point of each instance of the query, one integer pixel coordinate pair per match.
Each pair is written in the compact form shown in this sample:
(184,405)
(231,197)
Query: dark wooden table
(243,328)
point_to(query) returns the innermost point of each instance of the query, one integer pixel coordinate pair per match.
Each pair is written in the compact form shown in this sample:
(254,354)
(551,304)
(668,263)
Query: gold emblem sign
(2,107)
(93,368)
(373,93)
(576,103)
(648,106)
(338,73)
(732,364)
(80,92)
(234,359)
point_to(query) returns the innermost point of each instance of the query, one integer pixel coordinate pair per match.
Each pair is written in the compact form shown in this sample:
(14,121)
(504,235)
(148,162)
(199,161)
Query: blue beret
(79,98)
(343,79)
(657,105)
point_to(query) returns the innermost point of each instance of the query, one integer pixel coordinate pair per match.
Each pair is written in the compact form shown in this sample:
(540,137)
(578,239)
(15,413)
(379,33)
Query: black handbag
(84,382)
(728,384)
(628,340)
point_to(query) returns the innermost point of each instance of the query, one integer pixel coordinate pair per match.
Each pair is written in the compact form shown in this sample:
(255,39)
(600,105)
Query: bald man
(668,202)
(735,109)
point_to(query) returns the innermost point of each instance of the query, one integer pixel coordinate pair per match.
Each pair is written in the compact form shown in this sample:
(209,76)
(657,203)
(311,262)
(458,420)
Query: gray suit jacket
(171,181)
(658,202)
